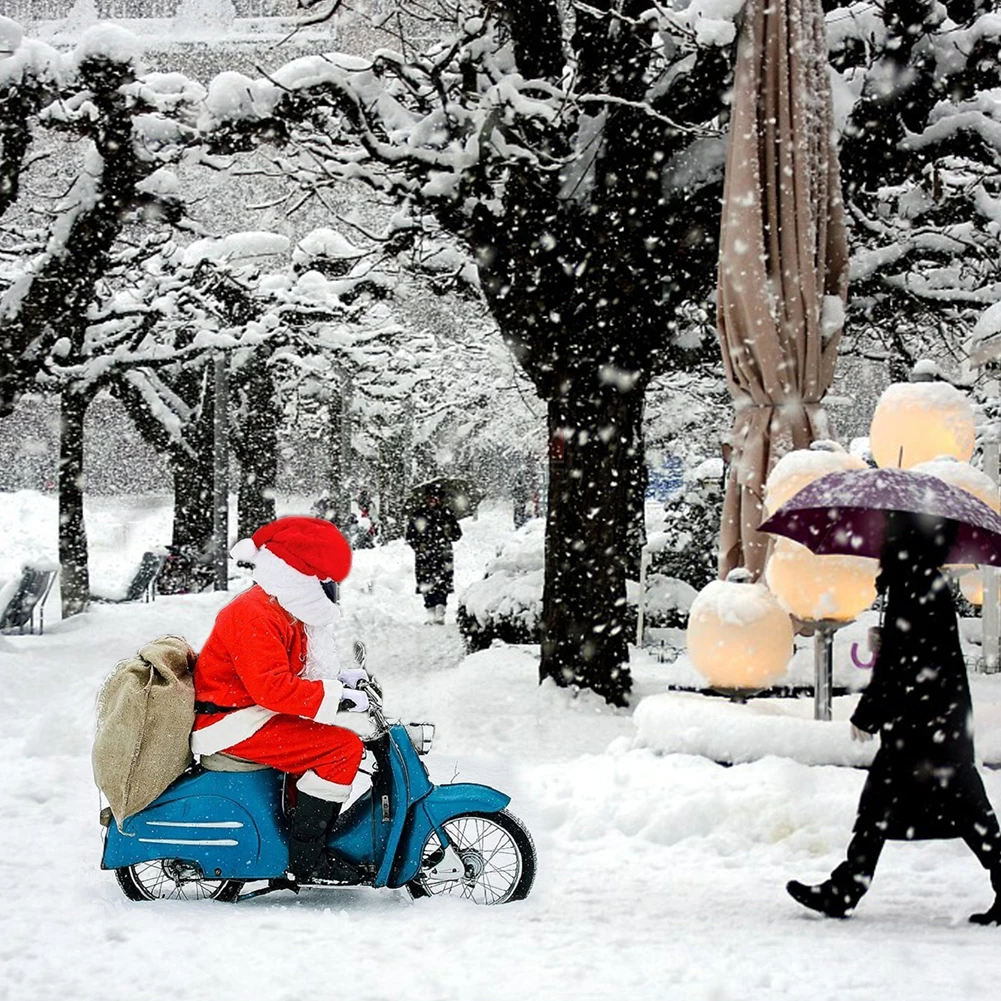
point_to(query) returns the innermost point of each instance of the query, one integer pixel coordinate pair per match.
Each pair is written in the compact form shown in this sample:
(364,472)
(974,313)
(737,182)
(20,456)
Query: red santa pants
(326,758)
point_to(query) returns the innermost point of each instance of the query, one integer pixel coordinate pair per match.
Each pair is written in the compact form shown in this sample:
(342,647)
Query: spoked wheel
(496,851)
(173,879)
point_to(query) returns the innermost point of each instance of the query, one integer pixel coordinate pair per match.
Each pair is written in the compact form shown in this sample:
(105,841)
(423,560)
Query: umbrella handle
(859,663)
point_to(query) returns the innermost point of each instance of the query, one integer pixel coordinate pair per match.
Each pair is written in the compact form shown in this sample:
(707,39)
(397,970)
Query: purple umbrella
(844,514)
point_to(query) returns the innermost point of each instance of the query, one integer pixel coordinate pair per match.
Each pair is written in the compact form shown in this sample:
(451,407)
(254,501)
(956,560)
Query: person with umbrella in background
(923,782)
(431,530)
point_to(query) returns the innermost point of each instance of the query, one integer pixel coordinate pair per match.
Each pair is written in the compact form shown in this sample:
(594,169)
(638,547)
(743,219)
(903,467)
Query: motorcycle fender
(227,823)
(441,804)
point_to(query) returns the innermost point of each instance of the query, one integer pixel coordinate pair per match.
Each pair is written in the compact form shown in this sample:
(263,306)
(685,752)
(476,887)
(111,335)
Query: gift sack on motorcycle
(145,712)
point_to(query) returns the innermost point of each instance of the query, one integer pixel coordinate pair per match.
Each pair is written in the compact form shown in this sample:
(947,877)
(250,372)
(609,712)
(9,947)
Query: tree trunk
(74,570)
(255,443)
(392,486)
(191,566)
(592,429)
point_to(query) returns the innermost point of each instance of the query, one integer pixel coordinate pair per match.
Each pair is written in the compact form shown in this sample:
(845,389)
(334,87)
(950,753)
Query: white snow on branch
(111,42)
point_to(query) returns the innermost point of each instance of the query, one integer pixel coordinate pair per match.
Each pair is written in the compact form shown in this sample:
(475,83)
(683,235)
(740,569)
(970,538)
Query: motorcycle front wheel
(497,852)
(174,879)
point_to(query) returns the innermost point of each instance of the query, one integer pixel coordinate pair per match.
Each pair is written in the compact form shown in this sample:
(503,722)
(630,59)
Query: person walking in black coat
(430,533)
(923,782)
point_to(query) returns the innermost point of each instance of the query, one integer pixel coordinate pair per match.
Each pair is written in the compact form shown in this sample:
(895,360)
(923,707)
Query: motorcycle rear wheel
(498,854)
(173,879)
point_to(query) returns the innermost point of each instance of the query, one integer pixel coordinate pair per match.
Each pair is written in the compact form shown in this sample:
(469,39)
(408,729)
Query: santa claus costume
(266,684)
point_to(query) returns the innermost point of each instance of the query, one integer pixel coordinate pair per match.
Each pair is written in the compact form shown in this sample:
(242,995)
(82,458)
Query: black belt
(210,708)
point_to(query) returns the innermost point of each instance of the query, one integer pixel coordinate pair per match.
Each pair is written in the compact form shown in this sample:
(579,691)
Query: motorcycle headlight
(422,734)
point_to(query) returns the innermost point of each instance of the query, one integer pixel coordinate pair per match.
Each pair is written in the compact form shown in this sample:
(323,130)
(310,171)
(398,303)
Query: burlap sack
(145,712)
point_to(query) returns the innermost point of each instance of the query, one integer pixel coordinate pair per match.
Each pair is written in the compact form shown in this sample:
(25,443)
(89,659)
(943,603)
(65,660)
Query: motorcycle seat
(223,762)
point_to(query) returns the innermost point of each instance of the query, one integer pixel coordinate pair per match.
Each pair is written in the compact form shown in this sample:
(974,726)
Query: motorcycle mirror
(360,653)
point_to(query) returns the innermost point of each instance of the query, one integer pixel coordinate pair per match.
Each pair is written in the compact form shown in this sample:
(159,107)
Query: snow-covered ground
(660,877)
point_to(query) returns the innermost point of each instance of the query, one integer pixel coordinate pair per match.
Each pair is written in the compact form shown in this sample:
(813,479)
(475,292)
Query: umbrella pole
(823,670)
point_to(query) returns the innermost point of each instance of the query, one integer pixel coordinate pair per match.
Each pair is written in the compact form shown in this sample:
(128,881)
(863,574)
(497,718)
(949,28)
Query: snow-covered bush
(507,603)
(686,548)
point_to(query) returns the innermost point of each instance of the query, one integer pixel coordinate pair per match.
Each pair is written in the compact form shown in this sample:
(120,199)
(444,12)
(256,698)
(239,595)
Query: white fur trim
(245,551)
(298,593)
(361,724)
(230,730)
(312,785)
(331,699)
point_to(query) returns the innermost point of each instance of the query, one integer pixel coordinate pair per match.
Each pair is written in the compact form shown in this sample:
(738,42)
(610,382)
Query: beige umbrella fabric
(783,268)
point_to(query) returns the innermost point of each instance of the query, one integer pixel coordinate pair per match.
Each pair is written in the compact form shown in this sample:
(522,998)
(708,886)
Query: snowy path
(660,876)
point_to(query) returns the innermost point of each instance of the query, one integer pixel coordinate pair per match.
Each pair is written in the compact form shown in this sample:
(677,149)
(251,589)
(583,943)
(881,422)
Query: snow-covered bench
(22,597)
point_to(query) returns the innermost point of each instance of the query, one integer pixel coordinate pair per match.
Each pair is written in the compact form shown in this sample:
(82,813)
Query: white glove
(860,735)
(351,676)
(358,701)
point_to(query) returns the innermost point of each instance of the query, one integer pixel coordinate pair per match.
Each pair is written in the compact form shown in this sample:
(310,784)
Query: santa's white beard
(321,653)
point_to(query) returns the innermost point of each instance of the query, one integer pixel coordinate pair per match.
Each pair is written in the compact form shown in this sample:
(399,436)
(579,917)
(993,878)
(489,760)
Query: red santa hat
(291,557)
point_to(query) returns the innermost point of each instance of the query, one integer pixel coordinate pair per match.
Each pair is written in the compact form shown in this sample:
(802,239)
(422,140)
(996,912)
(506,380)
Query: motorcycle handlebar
(374,702)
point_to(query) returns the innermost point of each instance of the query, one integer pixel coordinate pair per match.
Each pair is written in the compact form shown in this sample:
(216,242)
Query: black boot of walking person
(992,916)
(836,897)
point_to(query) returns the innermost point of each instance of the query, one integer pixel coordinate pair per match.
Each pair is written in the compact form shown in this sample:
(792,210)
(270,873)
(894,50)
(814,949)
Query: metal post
(220,471)
(992,576)
(641,600)
(823,670)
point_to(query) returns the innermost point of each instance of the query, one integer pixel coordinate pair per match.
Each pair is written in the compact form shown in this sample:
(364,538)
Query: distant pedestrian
(519,498)
(923,782)
(431,531)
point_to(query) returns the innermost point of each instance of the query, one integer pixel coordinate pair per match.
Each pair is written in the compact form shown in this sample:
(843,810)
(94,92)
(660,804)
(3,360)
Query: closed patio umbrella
(783,258)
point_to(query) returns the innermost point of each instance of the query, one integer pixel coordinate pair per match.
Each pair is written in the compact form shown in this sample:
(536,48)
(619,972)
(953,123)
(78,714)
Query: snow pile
(111,42)
(30,61)
(324,243)
(11,36)
(740,605)
(685,723)
(234,97)
(712,22)
(235,248)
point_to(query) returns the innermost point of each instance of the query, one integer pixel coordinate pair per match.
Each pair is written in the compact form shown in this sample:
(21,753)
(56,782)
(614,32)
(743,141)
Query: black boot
(992,916)
(835,897)
(311,822)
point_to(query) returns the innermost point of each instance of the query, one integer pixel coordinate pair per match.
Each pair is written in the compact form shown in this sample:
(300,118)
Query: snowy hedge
(507,603)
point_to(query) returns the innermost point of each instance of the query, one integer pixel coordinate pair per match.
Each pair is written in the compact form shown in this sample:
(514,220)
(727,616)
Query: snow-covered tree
(916,96)
(573,149)
(129,133)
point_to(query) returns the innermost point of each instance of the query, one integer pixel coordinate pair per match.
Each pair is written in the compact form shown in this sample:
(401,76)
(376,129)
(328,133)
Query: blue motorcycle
(222,824)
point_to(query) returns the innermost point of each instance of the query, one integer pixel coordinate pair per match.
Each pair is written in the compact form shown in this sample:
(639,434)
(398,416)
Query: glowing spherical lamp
(738,635)
(971,587)
(920,421)
(820,588)
(799,468)
(966,477)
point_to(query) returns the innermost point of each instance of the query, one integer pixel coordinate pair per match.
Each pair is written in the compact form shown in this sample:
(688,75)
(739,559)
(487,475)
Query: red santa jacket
(252,663)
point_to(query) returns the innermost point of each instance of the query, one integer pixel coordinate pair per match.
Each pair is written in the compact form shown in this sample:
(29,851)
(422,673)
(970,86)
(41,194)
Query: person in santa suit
(267,685)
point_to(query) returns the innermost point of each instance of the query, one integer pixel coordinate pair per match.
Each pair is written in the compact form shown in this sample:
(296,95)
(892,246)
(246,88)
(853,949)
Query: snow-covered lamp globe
(810,587)
(920,421)
(971,587)
(739,638)
(828,591)
(965,477)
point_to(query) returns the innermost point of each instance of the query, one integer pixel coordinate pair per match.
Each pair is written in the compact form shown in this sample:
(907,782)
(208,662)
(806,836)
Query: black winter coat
(923,779)
(430,533)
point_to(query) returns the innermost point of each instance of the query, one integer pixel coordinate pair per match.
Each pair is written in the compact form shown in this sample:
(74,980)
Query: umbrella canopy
(783,267)
(845,514)
(457,494)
